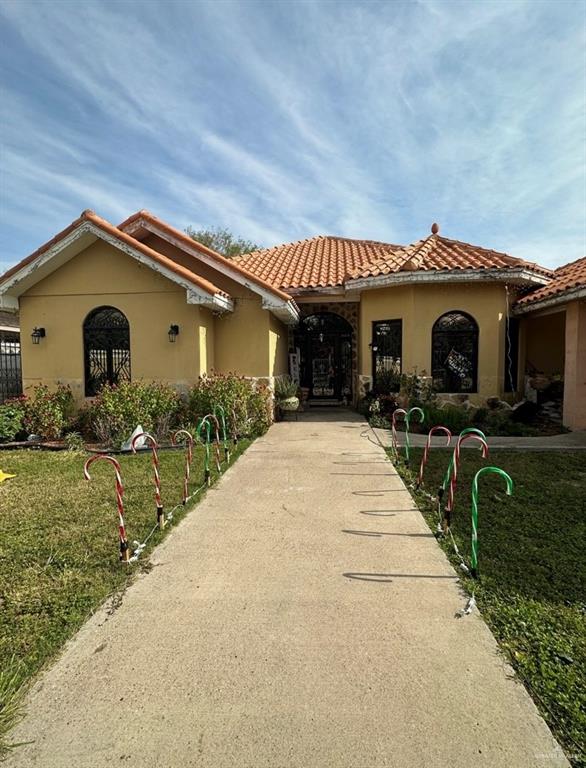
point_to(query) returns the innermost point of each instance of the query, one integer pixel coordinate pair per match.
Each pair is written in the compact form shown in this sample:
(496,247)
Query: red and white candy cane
(394,440)
(124,551)
(449,508)
(188,456)
(424,458)
(156,476)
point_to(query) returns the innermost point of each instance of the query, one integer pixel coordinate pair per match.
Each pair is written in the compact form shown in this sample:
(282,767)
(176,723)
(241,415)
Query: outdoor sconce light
(374,347)
(173,333)
(37,334)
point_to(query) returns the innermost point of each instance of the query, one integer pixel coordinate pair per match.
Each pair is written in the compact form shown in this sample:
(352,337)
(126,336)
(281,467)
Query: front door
(325,343)
(325,366)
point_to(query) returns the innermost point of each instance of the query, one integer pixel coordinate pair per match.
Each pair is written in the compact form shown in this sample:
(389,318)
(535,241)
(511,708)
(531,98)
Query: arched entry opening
(106,349)
(324,340)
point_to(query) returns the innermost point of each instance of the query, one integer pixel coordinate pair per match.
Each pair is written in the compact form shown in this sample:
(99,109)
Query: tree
(222,241)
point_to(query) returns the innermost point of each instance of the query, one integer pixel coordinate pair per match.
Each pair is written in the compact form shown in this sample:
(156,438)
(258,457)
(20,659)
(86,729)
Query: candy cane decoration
(205,423)
(210,417)
(222,413)
(483,471)
(188,456)
(394,440)
(156,476)
(447,476)
(424,458)
(447,519)
(407,424)
(124,552)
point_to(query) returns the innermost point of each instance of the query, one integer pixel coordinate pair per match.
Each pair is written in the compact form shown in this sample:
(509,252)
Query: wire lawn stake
(156,476)
(483,471)
(188,456)
(394,439)
(424,458)
(234,427)
(407,425)
(449,508)
(124,552)
(205,423)
(222,412)
(447,476)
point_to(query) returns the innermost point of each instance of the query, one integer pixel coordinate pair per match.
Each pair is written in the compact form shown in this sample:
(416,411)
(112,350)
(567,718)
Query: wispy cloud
(281,121)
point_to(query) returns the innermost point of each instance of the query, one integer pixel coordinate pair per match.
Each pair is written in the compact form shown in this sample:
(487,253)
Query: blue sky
(282,120)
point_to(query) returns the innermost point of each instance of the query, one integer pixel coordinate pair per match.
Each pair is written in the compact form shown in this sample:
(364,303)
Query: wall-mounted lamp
(173,333)
(37,334)
(374,347)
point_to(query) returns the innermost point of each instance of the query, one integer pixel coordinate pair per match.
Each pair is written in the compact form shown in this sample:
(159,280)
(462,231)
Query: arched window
(454,353)
(106,349)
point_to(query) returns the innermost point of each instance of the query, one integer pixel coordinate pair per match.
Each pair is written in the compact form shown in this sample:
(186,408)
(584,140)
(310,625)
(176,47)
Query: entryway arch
(324,340)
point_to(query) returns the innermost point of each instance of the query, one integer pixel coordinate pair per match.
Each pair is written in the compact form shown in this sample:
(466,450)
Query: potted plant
(286,393)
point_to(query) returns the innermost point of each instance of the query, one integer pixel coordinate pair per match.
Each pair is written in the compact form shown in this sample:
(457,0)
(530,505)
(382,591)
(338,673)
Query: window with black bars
(454,353)
(10,370)
(106,343)
(386,346)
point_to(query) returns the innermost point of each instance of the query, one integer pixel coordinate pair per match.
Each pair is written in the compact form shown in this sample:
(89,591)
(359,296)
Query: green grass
(59,550)
(532,564)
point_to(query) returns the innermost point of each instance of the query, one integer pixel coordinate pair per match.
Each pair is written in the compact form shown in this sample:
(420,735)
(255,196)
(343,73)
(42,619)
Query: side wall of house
(545,342)
(419,306)
(102,275)
(278,347)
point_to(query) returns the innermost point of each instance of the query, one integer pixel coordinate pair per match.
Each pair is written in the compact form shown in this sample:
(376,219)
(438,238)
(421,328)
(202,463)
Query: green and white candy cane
(204,423)
(483,471)
(407,423)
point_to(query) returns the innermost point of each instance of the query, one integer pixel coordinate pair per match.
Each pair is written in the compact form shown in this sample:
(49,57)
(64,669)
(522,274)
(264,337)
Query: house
(102,303)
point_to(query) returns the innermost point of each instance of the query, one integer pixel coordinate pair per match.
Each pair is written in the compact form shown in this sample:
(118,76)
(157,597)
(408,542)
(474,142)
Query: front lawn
(532,563)
(59,549)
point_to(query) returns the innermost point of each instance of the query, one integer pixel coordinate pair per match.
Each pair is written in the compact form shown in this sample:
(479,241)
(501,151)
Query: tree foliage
(222,241)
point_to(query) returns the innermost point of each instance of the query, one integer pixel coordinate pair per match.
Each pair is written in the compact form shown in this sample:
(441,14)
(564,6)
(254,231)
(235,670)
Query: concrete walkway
(302,616)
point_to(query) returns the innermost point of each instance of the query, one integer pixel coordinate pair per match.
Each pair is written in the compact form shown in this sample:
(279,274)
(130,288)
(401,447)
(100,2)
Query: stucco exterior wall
(545,342)
(419,306)
(278,347)
(574,415)
(102,275)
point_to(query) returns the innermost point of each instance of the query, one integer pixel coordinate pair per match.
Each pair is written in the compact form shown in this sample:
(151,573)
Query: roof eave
(11,288)
(519,275)
(571,294)
(286,311)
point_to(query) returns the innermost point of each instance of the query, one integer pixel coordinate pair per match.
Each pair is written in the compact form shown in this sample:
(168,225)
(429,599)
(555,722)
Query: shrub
(248,407)
(417,389)
(47,413)
(387,382)
(11,418)
(118,409)
(285,388)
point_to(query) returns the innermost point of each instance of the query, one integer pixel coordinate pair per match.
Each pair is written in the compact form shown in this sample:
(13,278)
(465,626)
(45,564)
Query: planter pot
(289,404)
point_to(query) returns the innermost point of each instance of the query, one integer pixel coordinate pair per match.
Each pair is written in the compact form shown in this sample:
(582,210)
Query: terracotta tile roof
(436,253)
(319,262)
(188,241)
(327,261)
(565,279)
(110,229)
